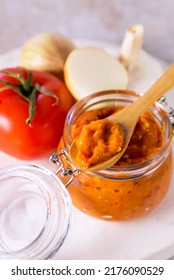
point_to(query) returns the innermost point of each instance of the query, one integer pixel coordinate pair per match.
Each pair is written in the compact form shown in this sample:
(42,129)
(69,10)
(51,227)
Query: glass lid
(35,211)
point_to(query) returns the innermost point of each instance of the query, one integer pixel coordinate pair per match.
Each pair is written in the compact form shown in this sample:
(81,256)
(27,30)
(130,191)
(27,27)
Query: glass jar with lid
(120,192)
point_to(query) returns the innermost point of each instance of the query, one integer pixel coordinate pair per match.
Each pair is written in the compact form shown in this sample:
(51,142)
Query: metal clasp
(56,158)
(170,111)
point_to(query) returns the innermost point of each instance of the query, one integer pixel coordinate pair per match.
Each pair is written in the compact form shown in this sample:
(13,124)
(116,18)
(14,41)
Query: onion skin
(46,52)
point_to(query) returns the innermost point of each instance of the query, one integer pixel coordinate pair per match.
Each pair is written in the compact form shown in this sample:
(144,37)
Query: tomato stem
(32,106)
(27,90)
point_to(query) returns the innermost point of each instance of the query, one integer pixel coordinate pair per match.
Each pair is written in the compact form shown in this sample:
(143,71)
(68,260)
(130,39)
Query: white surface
(149,237)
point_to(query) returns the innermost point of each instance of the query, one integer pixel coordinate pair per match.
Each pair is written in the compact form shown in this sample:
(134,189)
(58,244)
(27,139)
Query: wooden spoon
(128,117)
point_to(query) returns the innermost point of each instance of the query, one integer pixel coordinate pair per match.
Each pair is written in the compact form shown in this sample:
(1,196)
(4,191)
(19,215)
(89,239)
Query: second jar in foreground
(127,190)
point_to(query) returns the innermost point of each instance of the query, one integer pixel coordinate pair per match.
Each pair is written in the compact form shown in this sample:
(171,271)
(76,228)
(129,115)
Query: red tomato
(41,136)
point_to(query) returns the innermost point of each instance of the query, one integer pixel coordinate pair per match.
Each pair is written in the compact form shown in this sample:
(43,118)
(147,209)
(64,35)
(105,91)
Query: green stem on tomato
(32,106)
(27,90)
(26,84)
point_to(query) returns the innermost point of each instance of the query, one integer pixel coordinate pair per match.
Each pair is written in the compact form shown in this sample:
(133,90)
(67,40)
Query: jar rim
(135,170)
(47,207)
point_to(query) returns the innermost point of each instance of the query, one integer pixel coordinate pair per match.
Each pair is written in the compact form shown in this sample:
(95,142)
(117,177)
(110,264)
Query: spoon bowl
(127,119)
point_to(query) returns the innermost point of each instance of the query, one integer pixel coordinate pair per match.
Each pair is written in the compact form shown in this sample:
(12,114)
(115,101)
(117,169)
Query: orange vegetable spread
(98,142)
(135,185)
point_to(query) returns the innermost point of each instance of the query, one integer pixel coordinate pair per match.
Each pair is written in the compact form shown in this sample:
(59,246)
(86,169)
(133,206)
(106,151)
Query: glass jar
(35,213)
(120,192)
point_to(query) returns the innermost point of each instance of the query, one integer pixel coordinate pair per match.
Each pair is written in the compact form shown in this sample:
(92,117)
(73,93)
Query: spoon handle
(161,86)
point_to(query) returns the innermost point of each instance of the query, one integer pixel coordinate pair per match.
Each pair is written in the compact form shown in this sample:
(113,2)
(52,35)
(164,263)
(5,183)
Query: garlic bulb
(131,46)
(46,52)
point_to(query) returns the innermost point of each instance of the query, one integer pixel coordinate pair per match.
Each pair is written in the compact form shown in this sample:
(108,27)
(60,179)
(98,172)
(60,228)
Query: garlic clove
(46,52)
(91,69)
(131,46)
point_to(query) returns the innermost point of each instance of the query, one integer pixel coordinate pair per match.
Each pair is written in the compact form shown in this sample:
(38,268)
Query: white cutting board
(149,237)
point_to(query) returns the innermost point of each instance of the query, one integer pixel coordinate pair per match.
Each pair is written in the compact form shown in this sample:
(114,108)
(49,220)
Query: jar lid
(35,212)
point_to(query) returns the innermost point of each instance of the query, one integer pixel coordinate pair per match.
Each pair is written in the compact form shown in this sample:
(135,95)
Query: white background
(94,19)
